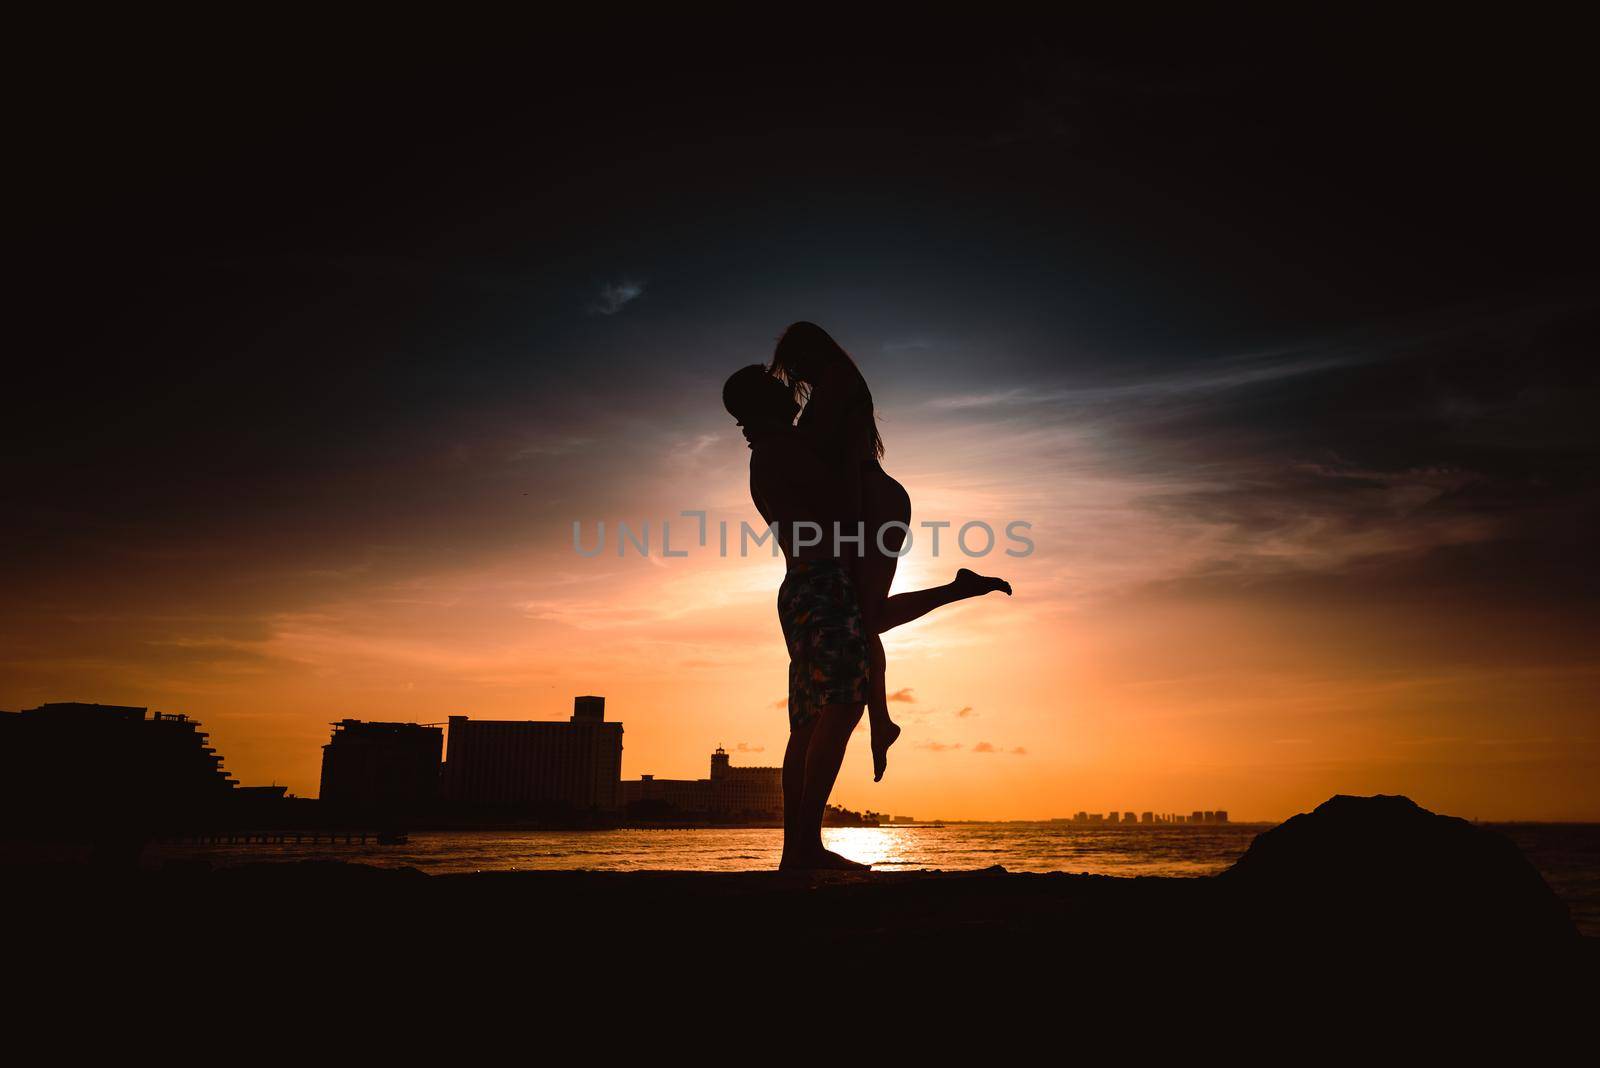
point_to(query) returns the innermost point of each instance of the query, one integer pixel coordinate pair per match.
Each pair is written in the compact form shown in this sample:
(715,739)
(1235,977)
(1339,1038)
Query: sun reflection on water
(885,848)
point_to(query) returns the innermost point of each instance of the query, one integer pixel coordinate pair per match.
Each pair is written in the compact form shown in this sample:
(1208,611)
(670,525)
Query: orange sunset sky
(1150,658)
(1309,461)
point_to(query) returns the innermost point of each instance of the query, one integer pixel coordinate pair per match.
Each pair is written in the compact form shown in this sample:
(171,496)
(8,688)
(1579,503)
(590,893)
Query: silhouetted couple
(841,522)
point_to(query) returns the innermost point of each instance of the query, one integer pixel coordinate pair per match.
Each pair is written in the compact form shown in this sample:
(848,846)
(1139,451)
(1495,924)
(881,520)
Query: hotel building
(108,763)
(730,791)
(382,767)
(573,764)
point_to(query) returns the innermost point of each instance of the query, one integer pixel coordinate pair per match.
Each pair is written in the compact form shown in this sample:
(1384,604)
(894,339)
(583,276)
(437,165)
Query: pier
(282,837)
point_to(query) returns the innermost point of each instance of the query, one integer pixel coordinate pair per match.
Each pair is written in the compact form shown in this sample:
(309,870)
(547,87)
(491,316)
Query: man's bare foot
(972,584)
(820,860)
(882,739)
(834,862)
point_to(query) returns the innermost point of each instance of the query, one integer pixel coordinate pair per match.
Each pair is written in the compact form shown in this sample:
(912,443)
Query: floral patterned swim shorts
(822,626)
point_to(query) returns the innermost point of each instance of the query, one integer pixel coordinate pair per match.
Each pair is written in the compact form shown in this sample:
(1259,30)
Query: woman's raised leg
(914,604)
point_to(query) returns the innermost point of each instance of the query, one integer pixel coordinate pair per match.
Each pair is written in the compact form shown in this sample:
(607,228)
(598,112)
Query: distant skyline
(1280,333)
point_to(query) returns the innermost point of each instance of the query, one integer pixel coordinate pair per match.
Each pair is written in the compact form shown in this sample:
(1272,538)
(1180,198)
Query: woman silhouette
(839,421)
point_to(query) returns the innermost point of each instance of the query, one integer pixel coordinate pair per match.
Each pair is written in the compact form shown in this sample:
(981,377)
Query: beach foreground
(1359,882)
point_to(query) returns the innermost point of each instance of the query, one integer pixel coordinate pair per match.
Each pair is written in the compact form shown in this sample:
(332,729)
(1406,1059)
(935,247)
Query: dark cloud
(1455,449)
(614,296)
(1476,446)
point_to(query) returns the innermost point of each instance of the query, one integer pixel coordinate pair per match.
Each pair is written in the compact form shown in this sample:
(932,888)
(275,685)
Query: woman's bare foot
(972,584)
(882,739)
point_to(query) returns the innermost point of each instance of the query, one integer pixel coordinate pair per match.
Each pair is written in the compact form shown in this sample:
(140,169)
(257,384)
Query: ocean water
(1568,855)
(1197,850)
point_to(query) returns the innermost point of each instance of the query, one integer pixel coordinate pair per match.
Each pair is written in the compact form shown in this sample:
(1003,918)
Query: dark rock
(1380,870)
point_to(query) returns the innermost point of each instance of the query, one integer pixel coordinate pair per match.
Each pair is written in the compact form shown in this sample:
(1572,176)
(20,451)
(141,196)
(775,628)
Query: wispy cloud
(549,445)
(907,345)
(1222,375)
(903,695)
(614,296)
(989,747)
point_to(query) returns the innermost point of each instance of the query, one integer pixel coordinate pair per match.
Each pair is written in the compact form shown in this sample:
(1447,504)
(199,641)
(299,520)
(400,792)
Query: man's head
(755,398)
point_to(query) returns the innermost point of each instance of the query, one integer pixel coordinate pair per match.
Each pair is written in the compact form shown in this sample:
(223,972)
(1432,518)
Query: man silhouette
(817,608)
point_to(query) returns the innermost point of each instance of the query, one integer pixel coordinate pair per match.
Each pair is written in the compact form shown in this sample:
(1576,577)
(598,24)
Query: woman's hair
(803,350)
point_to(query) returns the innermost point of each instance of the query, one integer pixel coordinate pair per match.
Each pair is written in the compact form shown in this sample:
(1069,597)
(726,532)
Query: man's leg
(824,754)
(828,675)
(794,788)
